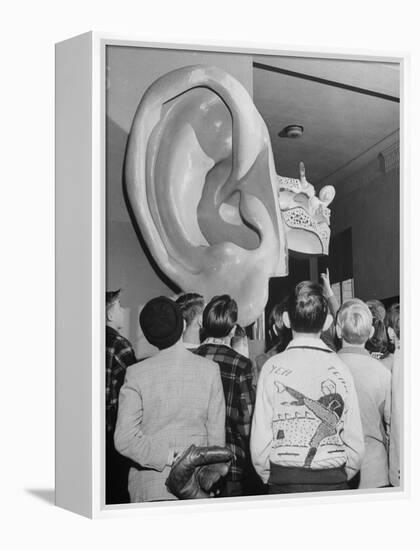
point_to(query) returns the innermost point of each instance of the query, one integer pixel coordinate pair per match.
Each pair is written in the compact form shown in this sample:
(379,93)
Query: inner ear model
(201,182)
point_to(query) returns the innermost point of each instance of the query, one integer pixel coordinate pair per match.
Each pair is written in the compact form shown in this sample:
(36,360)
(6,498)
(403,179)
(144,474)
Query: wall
(369,203)
(130,71)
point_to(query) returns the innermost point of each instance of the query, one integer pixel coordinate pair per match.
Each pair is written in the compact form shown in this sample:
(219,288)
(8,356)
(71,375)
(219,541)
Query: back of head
(278,334)
(355,321)
(392,319)
(378,343)
(377,309)
(161,322)
(276,315)
(220,316)
(191,305)
(307,308)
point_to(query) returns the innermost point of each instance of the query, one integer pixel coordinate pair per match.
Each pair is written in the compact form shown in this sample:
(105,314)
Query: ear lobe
(391,334)
(328,322)
(286,319)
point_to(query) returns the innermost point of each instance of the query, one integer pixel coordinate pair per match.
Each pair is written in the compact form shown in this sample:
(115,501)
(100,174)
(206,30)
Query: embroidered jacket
(307,412)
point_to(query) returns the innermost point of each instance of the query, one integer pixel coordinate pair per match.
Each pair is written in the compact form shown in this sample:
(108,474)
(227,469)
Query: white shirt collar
(308,341)
(216,341)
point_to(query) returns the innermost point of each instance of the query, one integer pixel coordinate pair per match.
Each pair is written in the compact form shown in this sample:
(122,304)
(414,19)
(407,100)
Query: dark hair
(307,307)
(379,341)
(191,305)
(276,315)
(392,318)
(280,335)
(220,316)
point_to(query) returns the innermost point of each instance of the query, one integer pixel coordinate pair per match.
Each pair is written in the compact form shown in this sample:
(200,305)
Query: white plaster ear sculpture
(202,186)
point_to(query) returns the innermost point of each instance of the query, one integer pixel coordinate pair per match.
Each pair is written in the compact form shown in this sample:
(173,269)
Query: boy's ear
(372,332)
(391,334)
(110,313)
(339,331)
(286,319)
(328,322)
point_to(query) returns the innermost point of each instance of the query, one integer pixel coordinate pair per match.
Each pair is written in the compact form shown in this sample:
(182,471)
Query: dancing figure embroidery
(328,409)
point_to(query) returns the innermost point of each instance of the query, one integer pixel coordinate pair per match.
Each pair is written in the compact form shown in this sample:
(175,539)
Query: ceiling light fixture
(292,131)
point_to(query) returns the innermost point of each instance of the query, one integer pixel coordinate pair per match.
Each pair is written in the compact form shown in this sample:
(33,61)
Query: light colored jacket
(373,385)
(395,444)
(306,412)
(167,402)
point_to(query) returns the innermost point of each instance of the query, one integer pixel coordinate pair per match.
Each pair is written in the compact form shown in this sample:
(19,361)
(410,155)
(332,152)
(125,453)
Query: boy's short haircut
(355,320)
(378,343)
(377,308)
(220,316)
(392,319)
(191,305)
(307,308)
(276,315)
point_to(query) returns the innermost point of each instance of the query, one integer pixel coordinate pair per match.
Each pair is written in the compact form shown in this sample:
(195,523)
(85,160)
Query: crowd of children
(320,410)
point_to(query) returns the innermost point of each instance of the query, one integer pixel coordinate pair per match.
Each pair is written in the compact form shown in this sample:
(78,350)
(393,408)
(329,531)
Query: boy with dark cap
(119,356)
(168,402)
(306,432)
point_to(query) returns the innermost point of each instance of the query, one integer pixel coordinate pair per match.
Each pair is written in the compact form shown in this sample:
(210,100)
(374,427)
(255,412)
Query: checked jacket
(119,356)
(236,374)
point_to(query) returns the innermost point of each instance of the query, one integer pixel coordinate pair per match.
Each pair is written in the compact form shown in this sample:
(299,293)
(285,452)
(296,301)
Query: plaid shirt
(119,356)
(236,373)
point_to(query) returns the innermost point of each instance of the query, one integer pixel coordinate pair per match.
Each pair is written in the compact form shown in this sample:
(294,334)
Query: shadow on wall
(129,265)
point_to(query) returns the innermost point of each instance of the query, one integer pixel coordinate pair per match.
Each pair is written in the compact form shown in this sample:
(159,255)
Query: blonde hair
(355,320)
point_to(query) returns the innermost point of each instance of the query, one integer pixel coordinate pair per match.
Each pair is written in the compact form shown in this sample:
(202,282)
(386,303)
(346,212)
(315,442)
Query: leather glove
(196,470)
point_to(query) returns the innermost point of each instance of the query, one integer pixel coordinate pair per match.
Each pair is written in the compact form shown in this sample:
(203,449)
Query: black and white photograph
(210,304)
(252,300)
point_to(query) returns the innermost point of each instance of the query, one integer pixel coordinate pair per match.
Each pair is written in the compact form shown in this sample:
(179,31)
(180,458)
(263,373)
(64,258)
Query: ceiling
(346,108)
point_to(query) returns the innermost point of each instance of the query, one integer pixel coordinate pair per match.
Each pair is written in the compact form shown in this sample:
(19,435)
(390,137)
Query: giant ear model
(202,186)
(201,182)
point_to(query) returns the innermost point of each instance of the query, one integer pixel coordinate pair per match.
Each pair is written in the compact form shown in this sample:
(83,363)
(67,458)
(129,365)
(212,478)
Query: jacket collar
(178,347)
(308,342)
(112,330)
(354,349)
(216,342)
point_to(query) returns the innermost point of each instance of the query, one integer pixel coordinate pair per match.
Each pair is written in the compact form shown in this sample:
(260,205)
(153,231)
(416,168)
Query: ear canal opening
(230,212)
